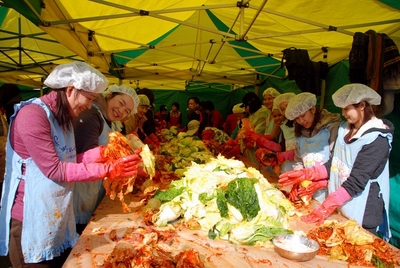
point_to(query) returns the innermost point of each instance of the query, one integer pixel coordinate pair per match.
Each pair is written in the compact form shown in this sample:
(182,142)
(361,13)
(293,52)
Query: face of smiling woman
(119,107)
(142,110)
(268,101)
(354,115)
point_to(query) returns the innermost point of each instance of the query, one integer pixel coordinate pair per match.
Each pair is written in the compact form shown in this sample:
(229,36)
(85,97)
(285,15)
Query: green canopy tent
(28,54)
(169,44)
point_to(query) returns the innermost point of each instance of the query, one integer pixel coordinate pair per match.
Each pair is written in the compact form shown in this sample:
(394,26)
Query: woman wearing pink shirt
(37,223)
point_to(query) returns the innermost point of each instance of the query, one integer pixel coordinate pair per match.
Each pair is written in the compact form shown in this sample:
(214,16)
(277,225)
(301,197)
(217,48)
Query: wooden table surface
(95,245)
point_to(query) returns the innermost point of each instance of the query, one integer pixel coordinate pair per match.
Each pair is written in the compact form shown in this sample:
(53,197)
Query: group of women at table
(55,167)
(345,163)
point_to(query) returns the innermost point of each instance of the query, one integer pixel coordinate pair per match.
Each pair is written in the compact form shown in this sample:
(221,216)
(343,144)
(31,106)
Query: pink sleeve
(32,138)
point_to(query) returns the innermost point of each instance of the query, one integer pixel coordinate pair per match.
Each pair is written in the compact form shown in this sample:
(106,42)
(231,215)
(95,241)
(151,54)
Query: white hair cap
(271,91)
(281,98)
(125,90)
(237,109)
(355,93)
(143,100)
(78,74)
(300,104)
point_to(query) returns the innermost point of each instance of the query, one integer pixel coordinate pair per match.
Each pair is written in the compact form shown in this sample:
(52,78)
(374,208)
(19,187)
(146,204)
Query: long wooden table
(95,245)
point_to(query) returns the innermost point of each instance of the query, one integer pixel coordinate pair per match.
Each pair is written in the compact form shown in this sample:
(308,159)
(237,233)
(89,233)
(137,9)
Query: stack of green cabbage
(185,149)
(229,201)
(169,133)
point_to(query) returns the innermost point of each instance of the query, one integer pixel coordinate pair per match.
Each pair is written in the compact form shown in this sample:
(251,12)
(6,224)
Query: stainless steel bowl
(295,247)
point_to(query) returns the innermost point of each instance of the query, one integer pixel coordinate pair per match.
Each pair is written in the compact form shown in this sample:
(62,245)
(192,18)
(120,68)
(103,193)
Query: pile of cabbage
(184,150)
(229,201)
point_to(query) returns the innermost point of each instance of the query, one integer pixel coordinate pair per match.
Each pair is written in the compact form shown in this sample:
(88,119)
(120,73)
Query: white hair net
(300,104)
(237,109)
(125,90)
(271,91)
(355,93)
(281,98)
(143,100)
(78,74)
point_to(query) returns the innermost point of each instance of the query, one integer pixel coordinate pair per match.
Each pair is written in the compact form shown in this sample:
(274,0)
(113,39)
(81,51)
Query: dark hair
(208,105)
(149,94)
(368,111)
(176,105)
(196,100)
(64,119)
(163,108)
(7,92)
(299,128)
(252,100)
(113,94)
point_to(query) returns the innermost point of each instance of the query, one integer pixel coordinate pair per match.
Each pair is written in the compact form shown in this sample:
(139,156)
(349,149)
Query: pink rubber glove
(334,200)
(123,167)
(94,155)
(314,173)
(283,156)
(314,186)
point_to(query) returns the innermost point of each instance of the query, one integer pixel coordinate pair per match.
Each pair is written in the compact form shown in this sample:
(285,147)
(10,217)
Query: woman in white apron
(37,223)
(316,132)
(91,129)
(359,174)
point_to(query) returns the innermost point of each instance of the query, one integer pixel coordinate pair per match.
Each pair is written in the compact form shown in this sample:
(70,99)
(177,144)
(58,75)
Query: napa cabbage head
(168,212)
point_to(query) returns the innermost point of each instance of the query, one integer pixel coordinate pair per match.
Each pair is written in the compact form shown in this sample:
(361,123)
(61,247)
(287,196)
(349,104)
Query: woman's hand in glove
(314,173)
(334,200)
(314,186)
(124,167)
(294,193)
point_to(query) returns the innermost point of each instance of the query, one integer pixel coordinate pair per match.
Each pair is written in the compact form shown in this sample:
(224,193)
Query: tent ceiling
(27,52)
(172,43)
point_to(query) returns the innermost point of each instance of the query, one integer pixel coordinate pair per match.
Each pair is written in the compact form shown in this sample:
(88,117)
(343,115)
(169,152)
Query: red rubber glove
(141,173)
(283,156)
(294,193)
(207,135)
(314,186)
(334,200)
(124,167)
(266,157)
(314,173)
(251,136)
(155,140)
(264,142)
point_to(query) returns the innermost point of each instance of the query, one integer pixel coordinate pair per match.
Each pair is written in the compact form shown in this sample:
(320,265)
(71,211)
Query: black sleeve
(87,127)
(369,164)
(193,115)
(149,126)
